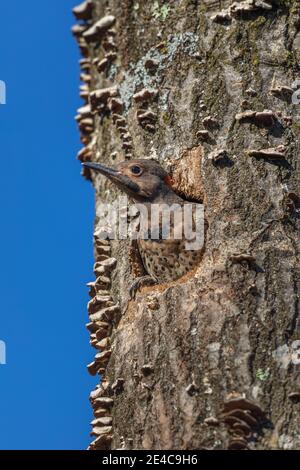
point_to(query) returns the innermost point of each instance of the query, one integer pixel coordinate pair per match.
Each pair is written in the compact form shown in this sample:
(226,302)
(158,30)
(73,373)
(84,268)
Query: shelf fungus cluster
(99,29)
(85,118)
(90,35)
(267,119)
(209,122)
(244,420)
(86,125)
(282,91)
(102,32)
(264,118)
(84,11)
(272,153)
(146,116)
(218,156)
(237,258)
(204,135)
(96,40)
(240,10)
(103,315)
(107,100)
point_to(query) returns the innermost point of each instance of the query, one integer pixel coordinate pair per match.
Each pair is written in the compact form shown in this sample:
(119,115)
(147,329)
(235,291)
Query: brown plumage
(147,183)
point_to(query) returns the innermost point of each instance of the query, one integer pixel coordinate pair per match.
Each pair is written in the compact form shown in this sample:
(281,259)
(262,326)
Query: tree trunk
(206,88)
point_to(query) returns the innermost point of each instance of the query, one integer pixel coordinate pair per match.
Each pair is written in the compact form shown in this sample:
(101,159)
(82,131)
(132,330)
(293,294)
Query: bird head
(141,179)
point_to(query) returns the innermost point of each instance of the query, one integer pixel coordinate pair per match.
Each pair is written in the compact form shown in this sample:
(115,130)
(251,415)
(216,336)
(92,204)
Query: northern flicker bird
(147,183)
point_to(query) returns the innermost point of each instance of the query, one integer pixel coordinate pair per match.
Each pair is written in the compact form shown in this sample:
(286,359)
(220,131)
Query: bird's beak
(104,170)
(122,181)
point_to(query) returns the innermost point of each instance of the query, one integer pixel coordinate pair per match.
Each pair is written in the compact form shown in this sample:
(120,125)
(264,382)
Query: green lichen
(166,118)
(258,23)
(262,374)
(160,12)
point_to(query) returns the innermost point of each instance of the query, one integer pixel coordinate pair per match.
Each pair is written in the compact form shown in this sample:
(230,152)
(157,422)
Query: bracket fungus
(99,301)
(294,396)
(102,331)
(101,443)
(97,31)
(86,78)
(91,327)
(109,44)
(219,156)
(248,6)
(84,11)
(102,249)
(102,64)
(251,92)
(102,358)
(265,118)
(103,421)
(99,97)
(239,9)
(126,137)
(238,443)
(92,368)
(84,92)
(204,135)
(123,130)
(85,64)
(147,369)
(145,117)
(85,154)
(211,421)
(96,393)
(282,91)
(144,95)
(271,153)
(84,111)
(127,146)
(86,123)
(119,120)
(78,30)
(106,314)
(102,344)
(100,412)
(293,200)
(115,105)
(104,402)
(210,122)
(150,127)
(107,265)
(241,257)
(243,419)
(223,16)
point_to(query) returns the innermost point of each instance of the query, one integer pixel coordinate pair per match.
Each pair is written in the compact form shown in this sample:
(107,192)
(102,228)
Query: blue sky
(46,233)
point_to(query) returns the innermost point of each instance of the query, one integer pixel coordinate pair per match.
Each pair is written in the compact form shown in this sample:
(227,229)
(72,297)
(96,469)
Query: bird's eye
(136,170)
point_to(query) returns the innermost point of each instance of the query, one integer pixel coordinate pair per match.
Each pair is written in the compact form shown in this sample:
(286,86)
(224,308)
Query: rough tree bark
(210,361)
